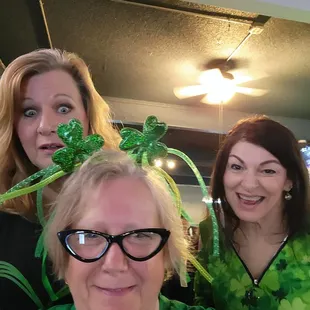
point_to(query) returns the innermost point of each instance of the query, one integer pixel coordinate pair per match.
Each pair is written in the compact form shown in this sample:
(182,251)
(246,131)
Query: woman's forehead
(251,152)
(125,202)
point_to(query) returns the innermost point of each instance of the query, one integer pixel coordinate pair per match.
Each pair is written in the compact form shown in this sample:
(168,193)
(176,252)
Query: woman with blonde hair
(38,91)
(115,235)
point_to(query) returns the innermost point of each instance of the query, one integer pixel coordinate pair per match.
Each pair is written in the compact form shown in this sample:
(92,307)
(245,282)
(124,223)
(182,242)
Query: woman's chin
(250,216)
(115,300)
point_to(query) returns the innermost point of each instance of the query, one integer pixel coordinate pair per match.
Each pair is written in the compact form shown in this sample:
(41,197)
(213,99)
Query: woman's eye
(269,171)
(64,109)
(235,167)
(90,236)
(30,112)
(142,235)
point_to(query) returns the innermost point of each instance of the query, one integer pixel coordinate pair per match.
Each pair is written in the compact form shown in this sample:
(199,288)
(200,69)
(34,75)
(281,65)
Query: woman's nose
(47,125)
(250,181)
(114,260)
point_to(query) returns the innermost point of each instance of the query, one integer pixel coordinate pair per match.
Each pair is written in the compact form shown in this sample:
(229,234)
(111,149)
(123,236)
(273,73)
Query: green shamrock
(147,141)
(296,304)
(239,286)
(271,281)
(77,149)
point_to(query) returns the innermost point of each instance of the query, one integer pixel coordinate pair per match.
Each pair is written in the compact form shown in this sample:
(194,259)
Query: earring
(288,196)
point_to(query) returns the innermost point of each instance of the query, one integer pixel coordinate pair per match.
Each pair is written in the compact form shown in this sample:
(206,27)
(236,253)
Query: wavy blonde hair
(14,163)
(104,166)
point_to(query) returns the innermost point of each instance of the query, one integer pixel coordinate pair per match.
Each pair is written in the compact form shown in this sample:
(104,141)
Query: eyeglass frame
(64,234)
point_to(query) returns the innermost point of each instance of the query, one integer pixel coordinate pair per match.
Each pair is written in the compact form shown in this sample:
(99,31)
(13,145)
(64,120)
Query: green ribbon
(9,272)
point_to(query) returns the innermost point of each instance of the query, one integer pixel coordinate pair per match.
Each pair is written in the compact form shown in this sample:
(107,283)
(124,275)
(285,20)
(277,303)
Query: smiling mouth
(250,200)
(116,291)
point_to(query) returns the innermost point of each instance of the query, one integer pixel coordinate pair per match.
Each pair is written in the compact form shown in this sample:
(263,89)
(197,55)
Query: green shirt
(284,284)
(164,304)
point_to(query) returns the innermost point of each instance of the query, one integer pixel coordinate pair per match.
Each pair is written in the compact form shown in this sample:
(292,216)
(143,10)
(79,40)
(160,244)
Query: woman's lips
(116,291)
(249,202)
(50,148)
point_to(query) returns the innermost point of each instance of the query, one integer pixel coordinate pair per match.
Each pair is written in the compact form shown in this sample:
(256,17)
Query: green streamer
(176,194)
(45,280)
(10,272)
(35,187)
(200,269)
(204,193)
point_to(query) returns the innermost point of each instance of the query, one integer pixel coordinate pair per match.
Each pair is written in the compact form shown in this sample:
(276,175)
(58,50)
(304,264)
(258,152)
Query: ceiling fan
(220,80)
(219,84)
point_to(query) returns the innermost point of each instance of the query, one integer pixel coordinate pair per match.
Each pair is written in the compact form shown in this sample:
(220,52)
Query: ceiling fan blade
(189,91)
(244,76)
(255,92)
(242,79)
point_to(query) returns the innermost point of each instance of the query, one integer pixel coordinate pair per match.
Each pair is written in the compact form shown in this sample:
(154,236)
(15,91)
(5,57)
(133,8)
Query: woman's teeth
(251,199)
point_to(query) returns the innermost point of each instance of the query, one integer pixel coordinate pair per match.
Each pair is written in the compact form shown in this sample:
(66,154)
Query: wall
(202,117)
(192,202)
(297,10)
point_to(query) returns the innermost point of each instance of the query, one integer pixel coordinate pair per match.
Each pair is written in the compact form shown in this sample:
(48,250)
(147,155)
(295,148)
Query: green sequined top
(164,304)
(284,285)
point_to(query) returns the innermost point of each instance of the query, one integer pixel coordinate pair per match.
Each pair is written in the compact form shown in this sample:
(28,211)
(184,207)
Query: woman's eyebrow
(271,161)
(237,157)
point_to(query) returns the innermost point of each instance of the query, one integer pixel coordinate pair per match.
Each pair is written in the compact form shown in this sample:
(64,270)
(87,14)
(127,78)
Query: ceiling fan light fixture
(222,92)
(210,77)
(214,98)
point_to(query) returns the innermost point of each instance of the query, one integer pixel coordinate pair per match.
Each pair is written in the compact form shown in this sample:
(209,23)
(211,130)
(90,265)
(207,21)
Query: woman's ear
(288,185)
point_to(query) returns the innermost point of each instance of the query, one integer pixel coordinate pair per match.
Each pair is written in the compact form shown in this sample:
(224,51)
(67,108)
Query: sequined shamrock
(77,149)
(146,142)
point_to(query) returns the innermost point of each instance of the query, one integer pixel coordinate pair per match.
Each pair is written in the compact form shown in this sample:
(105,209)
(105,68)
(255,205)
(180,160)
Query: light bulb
(170,164)
(221,92)
(158,163)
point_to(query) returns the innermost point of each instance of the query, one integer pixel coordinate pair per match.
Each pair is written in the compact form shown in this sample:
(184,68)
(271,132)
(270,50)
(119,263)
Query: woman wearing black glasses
(115,236)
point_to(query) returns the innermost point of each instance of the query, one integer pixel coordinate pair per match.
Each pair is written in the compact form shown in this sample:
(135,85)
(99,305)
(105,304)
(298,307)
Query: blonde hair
(14,163)
(104,166)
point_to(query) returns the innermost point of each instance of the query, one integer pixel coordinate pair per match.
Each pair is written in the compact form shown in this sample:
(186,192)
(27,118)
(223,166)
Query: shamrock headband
(144,147)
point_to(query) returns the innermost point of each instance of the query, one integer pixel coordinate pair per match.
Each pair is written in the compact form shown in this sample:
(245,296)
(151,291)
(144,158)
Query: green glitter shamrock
(146,142)
(77,148)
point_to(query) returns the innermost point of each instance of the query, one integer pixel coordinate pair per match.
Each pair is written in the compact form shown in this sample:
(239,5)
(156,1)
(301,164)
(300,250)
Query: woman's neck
(52,190)
(273,226)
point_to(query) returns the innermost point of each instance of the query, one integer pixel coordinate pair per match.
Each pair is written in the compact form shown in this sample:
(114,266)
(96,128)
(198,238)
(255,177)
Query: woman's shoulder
(6,216)
(166,304)
(301,241)
(206,233)
(9,220)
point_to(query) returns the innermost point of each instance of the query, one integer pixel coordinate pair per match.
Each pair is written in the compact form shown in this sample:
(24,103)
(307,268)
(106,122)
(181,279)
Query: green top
(164,304)
(284,285)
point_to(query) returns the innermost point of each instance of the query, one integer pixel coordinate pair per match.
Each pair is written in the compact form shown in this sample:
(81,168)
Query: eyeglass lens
(89,245)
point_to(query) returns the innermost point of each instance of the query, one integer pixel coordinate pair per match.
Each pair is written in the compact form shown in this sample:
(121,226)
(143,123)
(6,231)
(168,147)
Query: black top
(18,240)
